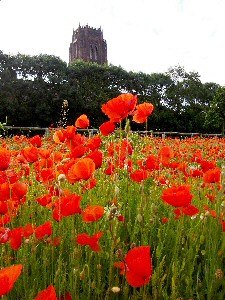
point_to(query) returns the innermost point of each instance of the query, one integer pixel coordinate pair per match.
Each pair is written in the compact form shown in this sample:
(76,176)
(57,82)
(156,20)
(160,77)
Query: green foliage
(32,89)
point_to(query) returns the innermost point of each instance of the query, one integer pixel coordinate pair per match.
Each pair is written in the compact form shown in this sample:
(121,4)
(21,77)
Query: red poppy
(44,200)
(189,210)
(118,108)
(82,122)
(137,266)
(77,151)
(93,143)
(28,230)
(43,230)
(36,141)
(212,176)
(47,294)
(8,277)
(19,189)
(4,235)
(59,136)
(84,239)
(69,132)
(178,196)
(3,207)
(30,153)
(97,157)
(4,191)
(207,165)
(66,206)
(142,112)
(82,169)
(16,238)
(4,159)
(107,128)
(139,175)
(165,154)
(92,213)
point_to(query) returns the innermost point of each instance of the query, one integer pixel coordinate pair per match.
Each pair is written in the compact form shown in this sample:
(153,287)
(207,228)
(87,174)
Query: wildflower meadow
(116,215)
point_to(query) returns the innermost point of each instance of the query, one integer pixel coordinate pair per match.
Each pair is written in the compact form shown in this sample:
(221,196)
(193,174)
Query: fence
(31,131)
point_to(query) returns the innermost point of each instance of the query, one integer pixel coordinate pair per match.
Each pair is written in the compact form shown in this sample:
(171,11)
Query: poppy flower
(92,213)
(4,235)
(107,127)
(30,153)
(59,136)
(97,157)
(84,239)
(28,230)
(4,159)
(118,108)
(43,230)
(137,267)
(82,169)
(47,294)
(8,277)
(82,122)
(44,200)
(3,207)
(4,191)
(16,238)
(142,112)
(177,196)
(139,175)
(93,143)
(165,154)
(66,206)
(212,176)
(19,189)
(36,141)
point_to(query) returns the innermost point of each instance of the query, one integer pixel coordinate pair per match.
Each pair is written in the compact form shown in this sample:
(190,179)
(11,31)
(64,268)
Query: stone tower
(88,44)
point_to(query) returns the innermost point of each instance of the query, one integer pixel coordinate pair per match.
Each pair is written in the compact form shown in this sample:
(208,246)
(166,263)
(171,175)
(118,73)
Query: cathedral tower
(88,44)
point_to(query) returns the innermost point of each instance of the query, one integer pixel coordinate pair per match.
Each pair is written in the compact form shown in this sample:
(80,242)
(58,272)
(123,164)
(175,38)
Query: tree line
(33,90)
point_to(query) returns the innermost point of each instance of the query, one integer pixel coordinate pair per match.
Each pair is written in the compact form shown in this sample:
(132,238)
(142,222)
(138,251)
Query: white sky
(142,35)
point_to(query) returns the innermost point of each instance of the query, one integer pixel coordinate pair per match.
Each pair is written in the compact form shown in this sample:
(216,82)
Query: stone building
(88,45)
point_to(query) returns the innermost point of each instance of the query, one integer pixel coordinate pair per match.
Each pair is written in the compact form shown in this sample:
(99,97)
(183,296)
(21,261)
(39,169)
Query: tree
(215,118)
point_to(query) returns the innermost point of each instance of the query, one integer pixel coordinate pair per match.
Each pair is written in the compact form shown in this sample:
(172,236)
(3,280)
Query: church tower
(88,44)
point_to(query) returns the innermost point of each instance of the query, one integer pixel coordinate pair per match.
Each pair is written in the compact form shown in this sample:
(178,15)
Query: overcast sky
(142,35)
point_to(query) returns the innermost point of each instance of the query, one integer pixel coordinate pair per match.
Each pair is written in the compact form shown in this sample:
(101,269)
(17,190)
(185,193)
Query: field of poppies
(116,215)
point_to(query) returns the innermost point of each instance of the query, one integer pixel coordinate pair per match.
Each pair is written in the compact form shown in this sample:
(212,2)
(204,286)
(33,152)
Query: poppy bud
(61,177)
(115,289)
(219,274)
(82,275)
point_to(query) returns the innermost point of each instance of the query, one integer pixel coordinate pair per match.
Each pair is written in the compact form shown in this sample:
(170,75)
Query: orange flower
(84,239)
(92,213)
(82,169)
(8,277)
(30,153)
(4,159)
(82,122)
(142,112)
(107,128)
(36,141)
(47,294)
(165,154)
(118,108)
(137,266)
